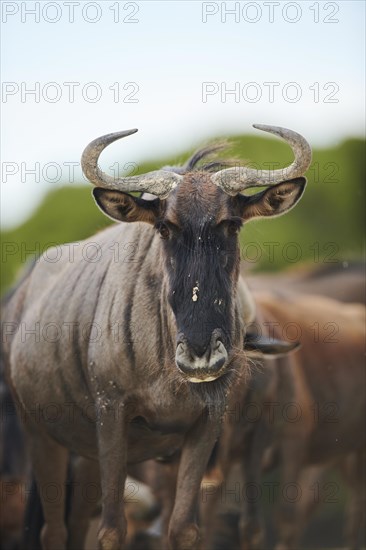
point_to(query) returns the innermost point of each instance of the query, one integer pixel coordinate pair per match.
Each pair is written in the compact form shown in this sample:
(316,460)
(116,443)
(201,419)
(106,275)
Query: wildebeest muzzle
(198,364)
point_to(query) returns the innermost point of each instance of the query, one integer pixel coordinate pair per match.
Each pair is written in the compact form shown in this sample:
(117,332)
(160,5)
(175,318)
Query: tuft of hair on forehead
(205,159)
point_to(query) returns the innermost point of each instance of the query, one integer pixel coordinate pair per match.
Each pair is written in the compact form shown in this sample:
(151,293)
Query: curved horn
(158,183)
(235,180)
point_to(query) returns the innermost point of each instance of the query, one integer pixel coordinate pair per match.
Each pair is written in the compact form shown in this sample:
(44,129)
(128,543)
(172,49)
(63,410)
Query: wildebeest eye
(233,227)
(163,230)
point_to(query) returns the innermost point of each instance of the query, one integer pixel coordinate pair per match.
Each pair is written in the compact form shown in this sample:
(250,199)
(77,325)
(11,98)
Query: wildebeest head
(198,211)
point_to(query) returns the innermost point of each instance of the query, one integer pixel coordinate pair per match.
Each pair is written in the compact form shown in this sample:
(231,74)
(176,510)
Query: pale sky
(167,68)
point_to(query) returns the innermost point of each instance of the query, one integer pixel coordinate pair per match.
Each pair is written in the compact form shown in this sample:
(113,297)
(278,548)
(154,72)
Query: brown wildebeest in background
(343,281)
(97,319)
(323,383)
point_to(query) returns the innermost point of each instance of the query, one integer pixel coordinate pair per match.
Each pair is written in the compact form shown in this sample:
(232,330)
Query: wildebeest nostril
(216,344)
(181,349)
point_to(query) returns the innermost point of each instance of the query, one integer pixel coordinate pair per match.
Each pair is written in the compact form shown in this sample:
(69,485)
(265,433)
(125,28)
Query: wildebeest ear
(126,208)
(273,201)
(257,346)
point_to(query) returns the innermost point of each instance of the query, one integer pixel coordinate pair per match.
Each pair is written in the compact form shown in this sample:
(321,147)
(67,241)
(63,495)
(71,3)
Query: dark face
(199,226)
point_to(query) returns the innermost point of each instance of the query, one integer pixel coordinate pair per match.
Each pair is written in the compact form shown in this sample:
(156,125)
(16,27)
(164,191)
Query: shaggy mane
(208,155)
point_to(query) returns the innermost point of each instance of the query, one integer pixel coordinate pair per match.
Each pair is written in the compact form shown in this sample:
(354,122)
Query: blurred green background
(327,225)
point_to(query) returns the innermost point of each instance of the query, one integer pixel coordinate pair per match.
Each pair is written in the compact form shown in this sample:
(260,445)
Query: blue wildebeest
(161,382)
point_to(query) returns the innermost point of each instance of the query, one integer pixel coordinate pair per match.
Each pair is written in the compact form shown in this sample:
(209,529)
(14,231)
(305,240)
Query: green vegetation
(326,226)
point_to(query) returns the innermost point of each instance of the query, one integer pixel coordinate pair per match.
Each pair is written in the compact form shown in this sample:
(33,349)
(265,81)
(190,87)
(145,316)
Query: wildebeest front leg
(112,441)
(49,462)
(197,448)
(84,502)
